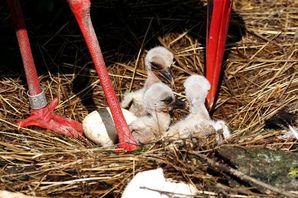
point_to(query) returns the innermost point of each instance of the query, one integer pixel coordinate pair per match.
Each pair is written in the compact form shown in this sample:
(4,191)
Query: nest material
(260,78)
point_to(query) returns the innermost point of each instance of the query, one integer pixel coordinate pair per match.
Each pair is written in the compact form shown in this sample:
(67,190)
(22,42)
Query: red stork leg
(219,12)
(42,115)
(81,10)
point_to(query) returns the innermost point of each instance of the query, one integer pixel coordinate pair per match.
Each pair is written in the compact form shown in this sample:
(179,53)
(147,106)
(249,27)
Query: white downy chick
(158,101)
(198,123)
(157,62)
(196,90)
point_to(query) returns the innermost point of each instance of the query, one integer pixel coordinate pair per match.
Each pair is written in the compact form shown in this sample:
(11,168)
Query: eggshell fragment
(153,184)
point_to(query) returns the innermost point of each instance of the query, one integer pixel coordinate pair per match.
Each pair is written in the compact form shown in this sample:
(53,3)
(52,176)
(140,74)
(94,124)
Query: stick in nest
(243,176)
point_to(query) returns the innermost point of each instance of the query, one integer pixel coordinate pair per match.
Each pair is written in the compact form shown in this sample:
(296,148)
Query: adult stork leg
(219,12)
(81,10)
(42,114)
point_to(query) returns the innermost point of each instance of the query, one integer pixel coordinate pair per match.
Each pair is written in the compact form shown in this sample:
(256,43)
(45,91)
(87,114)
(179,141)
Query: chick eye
(156,66)
(168,100)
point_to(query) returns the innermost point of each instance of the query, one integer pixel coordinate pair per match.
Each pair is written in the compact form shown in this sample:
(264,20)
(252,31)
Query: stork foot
(45,118)
(127,146)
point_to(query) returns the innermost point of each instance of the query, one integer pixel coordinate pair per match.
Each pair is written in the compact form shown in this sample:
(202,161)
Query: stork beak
(217,30)
(165,76)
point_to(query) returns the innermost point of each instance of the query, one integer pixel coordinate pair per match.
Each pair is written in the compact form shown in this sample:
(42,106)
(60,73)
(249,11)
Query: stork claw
(127,147)
(45,118)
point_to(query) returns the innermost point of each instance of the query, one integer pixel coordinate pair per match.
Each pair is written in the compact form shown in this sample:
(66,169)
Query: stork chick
(198,123)
(157,62)
(158,101)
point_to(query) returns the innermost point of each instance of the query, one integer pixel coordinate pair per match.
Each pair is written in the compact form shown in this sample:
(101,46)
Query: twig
(242,176)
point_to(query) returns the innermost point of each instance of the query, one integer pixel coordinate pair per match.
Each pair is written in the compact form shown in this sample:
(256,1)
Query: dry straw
(260,77)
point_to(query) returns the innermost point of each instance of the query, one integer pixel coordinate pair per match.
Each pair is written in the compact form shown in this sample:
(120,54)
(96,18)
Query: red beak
(219,12)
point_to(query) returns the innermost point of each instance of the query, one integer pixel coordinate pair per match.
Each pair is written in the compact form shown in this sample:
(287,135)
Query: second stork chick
(198,123)
(158,63)
(158,100)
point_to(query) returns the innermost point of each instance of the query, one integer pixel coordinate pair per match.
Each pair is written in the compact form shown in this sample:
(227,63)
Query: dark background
(120,27)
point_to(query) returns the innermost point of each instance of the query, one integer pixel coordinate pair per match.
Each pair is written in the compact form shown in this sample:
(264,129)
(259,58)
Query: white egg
(99,126)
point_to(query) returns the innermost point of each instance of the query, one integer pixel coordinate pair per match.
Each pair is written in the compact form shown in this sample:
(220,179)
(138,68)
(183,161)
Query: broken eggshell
(153,184)
(99,126)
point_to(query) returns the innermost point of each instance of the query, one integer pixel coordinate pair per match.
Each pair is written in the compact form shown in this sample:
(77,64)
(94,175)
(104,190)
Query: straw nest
(259,78)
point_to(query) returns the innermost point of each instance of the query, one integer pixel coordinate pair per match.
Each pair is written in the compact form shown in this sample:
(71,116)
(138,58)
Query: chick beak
(165,76)
(165,110)
(178,104)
